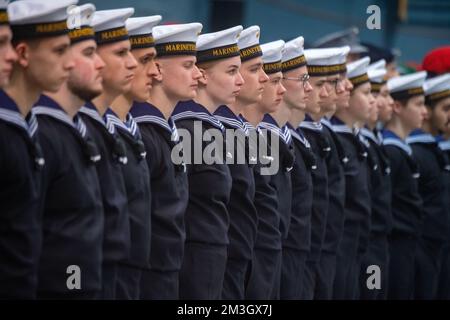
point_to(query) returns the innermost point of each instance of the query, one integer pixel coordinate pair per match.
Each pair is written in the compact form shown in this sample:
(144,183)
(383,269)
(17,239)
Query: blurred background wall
(412,26)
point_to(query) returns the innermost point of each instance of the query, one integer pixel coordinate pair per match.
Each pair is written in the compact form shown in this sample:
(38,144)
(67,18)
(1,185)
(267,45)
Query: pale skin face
(343,96)
(223,80)
(145,73)
(85,78)
(297,92)
(7,55)
(47,61)
(254,79)
(120,68)
(413,113)
(361,103)
(374,111)
(385,104)
(273,93)
(317,96)
(439,115)
(334,86)
(391,69)
(179,76)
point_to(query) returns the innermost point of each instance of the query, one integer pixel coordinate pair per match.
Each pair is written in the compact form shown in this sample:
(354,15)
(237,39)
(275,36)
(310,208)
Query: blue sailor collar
(369,134)
(327,123)
(9,112)
(379,134)
(247,123)
(192,110)
(49,107)
(249,126)
(113,121)
(144,112)
(340,127)
(390,138)
(298,135)
(439,138)
(226,116)
(420,136)
(363,140)
(270,124)
(310,124)
(444,145)
(91,111)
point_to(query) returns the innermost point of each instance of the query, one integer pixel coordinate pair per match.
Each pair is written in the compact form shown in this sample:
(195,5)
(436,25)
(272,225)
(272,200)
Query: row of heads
(35,18)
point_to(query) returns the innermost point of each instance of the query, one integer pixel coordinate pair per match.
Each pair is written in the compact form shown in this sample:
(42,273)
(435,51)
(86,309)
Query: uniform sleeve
(20,231)
(153,149)
(50,150)
(395,161)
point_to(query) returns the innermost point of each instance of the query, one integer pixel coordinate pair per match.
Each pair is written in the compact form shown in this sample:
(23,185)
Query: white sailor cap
(140,31)
(357,71)
(405,87)
(326,61)
(109,25)
(380,64)
(218,45)
(248,43)
(272,55)
(437,88)
(177,39)
(340,57)
(36,18)
(347,37)
(377,72)
(377,78)
(79,23)
(4,12)
(293,55)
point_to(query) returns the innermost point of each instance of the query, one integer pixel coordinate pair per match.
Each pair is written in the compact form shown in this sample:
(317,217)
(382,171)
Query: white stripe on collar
(112,121)
(60,115)
(369,135)
(327,123)
(162,123)
(363,140)
(444,145)
(92,114)
(201,116)
(342,128)
(303,140)
(399,144)
(233,123)
(153,119)
(420,138)
(14,118)
(315,126)
(285,135)
(56,114)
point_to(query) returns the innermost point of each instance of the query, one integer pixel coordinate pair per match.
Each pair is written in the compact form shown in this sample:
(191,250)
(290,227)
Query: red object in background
(437,61)
(170,22)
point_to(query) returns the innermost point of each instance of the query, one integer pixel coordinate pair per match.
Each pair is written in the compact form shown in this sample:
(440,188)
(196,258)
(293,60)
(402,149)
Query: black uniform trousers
(292,273)
(444,274)
(428,265)
(236,279)
(344,283)
(402,250)
(203,283)
(264,282)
